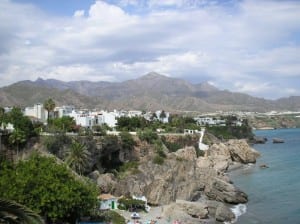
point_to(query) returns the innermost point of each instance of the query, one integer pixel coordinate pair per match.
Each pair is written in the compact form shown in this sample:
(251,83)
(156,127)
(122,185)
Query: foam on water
(237,210)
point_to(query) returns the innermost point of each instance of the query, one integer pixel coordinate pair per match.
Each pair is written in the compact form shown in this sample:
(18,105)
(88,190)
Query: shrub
(148,136)
(158,160)
(129,203)
(200,153)
(129,166)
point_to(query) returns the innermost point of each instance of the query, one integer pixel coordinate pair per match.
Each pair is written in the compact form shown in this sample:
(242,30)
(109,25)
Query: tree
(47,188)
(131,123)
(78,157)
(49,105)
(55,144)
(148,136)
(127,141)
(63,124)
(162,115)
(21,122)
(12,212)
(16,138)
(2,113)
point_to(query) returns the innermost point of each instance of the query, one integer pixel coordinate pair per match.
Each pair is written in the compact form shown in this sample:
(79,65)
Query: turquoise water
(274,193)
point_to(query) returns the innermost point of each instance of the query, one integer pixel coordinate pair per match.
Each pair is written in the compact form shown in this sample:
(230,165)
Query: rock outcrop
(183,176)
(222,155)
(186,211)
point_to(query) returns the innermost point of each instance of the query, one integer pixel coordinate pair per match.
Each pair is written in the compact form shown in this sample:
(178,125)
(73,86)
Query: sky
(248,46)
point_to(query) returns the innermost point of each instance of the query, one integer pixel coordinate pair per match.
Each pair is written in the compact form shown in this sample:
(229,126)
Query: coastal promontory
(185,177)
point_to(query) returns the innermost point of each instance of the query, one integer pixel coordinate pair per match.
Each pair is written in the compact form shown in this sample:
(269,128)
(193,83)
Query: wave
(237,210)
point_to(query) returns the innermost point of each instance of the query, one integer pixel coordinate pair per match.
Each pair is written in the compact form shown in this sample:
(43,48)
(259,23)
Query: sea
(274,192)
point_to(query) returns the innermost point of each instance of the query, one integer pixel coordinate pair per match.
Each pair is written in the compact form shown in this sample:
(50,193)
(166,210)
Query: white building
(108,202)
(202,121)
(82,119)
(165,118)
(90,119)
(135,113)
(109,118)
(36,111)
(64,110)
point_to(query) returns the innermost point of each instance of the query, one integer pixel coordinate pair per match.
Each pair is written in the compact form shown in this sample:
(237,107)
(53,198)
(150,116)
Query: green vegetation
(129,166)
(16,138)
(12,212)
(77,157)
(63,124)
(131,123)
(20,122)
(231,131)
(180,142)
(131,204)
(23,130)
(148,136)
(127,141)
(56,143)
(49,105)
(47,188)
(108,217)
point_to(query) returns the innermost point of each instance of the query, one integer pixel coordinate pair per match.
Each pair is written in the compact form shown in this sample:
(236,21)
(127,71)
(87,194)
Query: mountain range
(149,92)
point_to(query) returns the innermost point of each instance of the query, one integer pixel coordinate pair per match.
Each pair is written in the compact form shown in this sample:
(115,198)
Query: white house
(209,121)
(144,199)
(9,127)
(64,110)
(90,119)
(108,201)
(135,113)
(82,119)
(109,118)
(165,118)
(36,111)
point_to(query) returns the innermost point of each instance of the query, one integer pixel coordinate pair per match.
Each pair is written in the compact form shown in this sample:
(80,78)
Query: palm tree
(78,157)
(16,138)
(14,213)
(49,105)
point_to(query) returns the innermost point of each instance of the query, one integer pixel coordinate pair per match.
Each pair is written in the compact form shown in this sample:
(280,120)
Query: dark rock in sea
(259,140)
(278,140)
(264,166)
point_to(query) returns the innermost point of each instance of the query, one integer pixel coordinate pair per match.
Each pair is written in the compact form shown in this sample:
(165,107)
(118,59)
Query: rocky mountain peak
(153,75)
(207,87)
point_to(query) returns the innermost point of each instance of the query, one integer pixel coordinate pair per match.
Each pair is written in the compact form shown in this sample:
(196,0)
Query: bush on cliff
(48,188)
(131,204)
(148,136)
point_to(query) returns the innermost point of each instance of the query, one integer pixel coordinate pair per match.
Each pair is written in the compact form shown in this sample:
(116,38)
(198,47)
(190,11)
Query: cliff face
(184,176)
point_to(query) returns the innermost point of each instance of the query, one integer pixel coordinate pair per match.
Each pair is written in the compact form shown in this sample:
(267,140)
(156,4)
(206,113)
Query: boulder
(106,182)
(194,209)
(259,140)
(221,190)
(187,153)
(241,152)
(224,214)
(185,211)
(94,175)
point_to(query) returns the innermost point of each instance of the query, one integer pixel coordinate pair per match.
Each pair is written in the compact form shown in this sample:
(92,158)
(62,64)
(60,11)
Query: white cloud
(249,46)
(79,13)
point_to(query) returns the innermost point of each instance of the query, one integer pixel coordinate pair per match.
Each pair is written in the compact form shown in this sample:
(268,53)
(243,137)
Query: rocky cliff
(185,177)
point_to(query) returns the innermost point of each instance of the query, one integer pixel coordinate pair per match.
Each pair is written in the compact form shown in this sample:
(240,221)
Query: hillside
(150,92)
